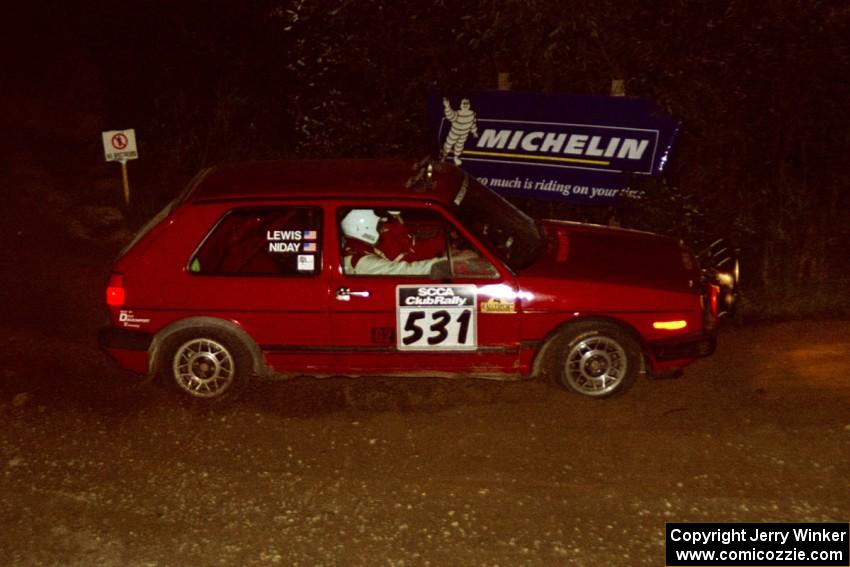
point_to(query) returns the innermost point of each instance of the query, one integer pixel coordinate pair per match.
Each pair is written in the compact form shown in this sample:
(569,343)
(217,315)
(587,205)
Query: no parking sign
(120,145)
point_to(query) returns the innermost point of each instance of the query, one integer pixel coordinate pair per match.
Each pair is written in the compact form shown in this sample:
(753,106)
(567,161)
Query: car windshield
(509,232)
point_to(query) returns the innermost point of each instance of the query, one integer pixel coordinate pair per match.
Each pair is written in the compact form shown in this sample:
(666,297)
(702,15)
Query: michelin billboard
(579,149)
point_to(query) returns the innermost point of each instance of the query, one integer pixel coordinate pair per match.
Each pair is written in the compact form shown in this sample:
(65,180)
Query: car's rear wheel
(205,364)
(596,359)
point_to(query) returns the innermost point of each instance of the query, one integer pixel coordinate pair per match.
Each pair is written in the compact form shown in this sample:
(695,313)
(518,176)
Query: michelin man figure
(463,123)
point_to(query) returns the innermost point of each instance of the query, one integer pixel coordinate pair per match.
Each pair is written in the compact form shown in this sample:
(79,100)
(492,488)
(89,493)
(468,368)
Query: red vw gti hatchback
(271,269)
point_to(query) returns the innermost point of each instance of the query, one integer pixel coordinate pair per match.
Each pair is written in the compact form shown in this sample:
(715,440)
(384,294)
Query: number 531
(437,329)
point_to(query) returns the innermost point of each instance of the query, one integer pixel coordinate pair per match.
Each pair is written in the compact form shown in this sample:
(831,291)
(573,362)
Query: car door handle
(345,294)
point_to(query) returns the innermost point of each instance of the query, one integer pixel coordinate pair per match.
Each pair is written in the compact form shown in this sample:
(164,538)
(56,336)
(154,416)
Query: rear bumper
(689,347)
(124,339)
(127,347)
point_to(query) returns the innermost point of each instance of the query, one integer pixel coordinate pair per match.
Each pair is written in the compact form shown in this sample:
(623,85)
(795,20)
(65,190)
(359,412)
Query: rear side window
(273,241)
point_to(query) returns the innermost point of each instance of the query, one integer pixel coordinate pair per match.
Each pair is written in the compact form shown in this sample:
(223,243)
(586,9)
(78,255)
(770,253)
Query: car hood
(585,252)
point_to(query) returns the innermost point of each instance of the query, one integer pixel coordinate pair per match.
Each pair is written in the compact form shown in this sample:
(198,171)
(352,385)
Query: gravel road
(101,468)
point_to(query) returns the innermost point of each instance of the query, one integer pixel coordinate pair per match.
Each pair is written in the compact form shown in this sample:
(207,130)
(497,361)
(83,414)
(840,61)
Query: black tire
(205,364)
(596,359)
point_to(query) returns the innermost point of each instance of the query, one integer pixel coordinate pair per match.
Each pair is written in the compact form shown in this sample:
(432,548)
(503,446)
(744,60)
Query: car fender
(259,363)
(538,365)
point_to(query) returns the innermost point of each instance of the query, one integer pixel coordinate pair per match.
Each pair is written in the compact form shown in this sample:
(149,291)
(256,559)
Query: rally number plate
(436,317)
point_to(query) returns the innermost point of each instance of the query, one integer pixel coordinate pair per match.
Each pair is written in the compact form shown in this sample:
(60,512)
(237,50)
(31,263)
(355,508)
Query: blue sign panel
(580,149)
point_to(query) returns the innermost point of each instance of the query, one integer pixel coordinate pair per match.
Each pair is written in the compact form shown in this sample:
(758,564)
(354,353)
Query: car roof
(323,179)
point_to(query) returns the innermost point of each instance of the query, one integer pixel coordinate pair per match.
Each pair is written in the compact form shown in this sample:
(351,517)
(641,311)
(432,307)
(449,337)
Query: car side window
(268,241)
(405,242)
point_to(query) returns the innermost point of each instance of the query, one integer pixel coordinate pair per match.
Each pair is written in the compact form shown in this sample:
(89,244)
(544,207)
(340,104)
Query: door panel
(418,325)
(263,267)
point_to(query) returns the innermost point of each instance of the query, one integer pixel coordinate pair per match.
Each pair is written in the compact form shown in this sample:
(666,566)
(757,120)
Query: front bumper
(688,347)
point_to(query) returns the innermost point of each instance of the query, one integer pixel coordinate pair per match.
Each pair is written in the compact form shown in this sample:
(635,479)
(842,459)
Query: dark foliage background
(761,88)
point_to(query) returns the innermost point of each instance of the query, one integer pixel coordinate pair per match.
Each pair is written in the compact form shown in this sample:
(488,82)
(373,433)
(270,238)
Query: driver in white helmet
(367,254)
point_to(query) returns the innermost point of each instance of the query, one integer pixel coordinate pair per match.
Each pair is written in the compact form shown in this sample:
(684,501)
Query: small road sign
(120,145)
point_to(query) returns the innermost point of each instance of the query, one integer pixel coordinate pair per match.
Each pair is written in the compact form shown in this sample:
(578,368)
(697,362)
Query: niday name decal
(127,319)
(285,247)
(291,241)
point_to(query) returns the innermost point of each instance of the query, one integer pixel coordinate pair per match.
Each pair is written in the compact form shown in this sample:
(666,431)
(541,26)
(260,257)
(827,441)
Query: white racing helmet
(361,224)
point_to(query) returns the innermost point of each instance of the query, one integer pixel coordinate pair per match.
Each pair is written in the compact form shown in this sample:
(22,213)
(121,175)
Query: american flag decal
(309,235)
(309,247)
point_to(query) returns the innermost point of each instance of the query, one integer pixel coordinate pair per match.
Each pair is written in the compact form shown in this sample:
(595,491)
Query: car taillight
(115,295)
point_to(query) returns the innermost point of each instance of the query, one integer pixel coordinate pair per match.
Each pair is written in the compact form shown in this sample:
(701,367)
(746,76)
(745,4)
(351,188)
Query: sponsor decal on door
(436,317)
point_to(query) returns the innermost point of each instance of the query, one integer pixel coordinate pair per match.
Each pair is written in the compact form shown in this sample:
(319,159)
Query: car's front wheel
(205,364)
(596,359)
